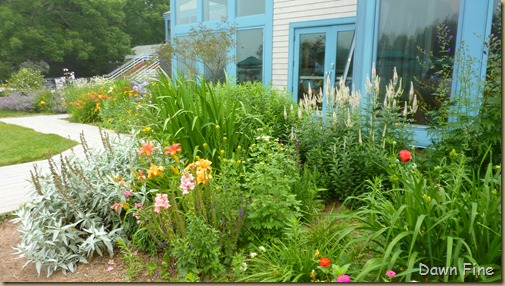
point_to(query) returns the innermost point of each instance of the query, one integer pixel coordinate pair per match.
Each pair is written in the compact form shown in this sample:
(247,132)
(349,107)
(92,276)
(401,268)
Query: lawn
(13,113)
(20,145)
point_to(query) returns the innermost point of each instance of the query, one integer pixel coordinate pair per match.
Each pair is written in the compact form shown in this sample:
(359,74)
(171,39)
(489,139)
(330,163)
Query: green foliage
(293,256)
(269,104)
(441,219)
(145,21)
(26,79)
(199,251)
(200,116)
(348,145)
(70,217)
(134,264)
(87,36)
(467,124)
(271,172)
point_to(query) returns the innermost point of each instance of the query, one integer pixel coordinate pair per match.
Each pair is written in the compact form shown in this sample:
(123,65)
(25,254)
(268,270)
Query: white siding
(287,11)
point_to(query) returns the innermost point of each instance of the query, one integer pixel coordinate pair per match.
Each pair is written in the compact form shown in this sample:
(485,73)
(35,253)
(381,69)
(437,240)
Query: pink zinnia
(390,273)
(161,201)
(187,183)
(343,278)
(127,193)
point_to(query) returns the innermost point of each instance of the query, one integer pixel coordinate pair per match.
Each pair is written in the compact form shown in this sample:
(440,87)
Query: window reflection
(311,65)
(249,7)
(407,40)
(250,55)
(215,10)
(185,11)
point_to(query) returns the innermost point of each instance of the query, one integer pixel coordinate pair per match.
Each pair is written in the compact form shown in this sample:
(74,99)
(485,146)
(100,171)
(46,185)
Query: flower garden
(236,183)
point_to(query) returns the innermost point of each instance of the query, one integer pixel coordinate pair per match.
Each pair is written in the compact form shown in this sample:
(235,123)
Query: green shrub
(199,251)
(270,173)
(26,79)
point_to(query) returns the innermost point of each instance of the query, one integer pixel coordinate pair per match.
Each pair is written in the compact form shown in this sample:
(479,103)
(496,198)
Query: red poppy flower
(324,262)
(405,155)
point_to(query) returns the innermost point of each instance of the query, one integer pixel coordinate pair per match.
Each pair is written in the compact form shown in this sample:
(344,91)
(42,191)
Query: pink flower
(390,273)
(111,262)
(138,205)
(109,269)
(127,193)
(343,278)
(187,183)
(161,201)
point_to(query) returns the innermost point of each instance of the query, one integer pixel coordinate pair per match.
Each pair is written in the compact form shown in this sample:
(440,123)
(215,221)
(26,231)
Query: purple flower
(240,212)
(140,87)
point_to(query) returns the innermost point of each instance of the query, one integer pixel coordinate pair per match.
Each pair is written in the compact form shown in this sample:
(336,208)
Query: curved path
(15,188)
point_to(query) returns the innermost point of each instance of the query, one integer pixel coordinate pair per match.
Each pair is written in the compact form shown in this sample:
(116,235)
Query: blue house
(288,43)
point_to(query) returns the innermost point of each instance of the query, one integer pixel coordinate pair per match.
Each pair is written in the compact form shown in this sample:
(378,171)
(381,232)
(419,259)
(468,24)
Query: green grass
(12,113)
(20,145)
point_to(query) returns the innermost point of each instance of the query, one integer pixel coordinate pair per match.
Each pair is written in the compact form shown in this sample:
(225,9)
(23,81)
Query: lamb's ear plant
(443,219)
(70,216)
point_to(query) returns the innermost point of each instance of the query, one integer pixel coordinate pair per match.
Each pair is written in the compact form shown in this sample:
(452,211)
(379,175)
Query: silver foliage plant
(70,216)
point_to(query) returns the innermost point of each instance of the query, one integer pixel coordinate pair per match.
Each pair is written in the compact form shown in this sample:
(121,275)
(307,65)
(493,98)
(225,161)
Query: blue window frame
(473,28)
(318,49)
(260,18)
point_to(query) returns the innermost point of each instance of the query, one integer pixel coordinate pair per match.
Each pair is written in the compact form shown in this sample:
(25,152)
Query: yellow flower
(146,129)
(316,254)
(217,126)
(42,103)
(154,171)
(239,147)
(174,169)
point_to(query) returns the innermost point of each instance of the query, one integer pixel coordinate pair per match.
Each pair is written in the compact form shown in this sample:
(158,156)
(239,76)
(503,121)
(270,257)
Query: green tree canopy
(85,36)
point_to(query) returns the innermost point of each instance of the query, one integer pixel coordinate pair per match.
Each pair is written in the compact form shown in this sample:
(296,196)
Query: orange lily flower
(116,207)
(147,148)
(172,150)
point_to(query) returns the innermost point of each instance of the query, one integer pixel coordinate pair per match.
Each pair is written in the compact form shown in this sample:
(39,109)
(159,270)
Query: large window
(417,37)
(185,11)
(250,7)
(215,10)
(250,55)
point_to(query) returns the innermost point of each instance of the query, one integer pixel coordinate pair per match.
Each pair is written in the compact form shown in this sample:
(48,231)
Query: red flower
(172,150)
(324,262)
(405,155)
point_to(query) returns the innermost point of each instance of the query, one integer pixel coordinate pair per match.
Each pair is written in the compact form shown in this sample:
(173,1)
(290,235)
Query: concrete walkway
(15,188)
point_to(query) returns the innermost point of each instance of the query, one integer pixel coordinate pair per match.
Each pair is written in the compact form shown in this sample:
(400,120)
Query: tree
(82,35)
(205,47)
(144,21)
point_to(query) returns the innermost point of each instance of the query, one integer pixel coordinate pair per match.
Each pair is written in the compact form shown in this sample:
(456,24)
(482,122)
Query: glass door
(321,54)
